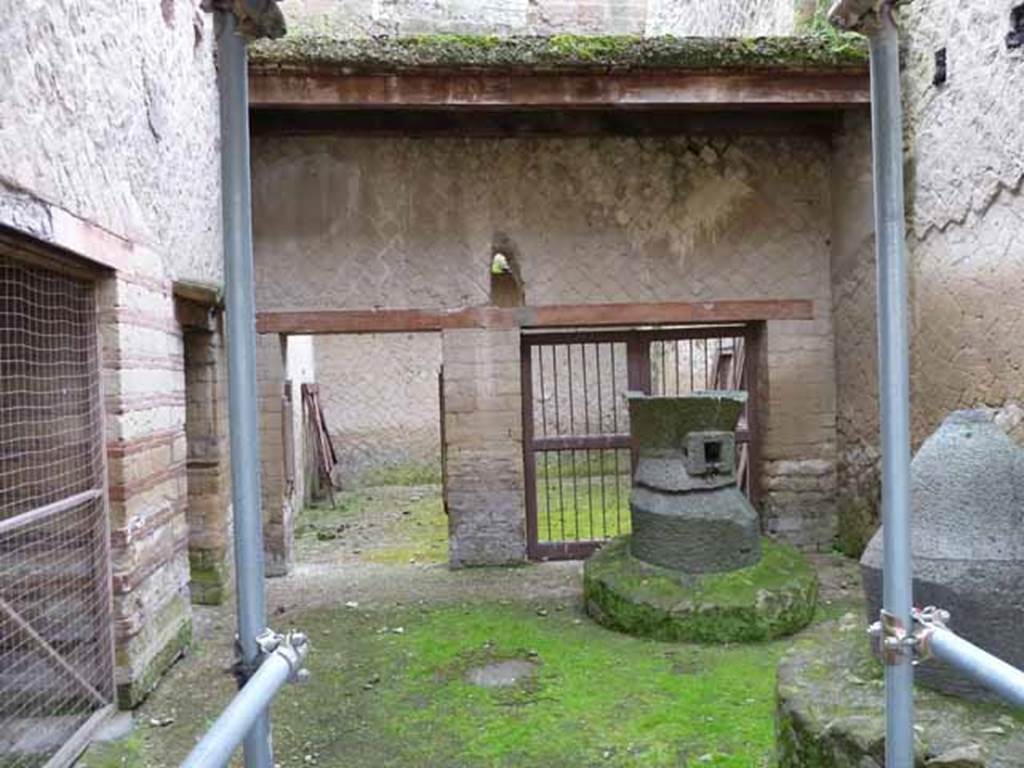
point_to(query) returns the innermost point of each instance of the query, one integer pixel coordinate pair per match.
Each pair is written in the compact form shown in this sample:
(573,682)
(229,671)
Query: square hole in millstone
(712,452)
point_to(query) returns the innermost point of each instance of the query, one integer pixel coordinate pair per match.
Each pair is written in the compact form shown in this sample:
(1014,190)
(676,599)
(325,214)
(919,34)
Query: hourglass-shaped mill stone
(967,534)
(687,512)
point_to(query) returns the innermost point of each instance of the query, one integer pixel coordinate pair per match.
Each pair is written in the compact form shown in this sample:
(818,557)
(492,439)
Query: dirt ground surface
(342,596)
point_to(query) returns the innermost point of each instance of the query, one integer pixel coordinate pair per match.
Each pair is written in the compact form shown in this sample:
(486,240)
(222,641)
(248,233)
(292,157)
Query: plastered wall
(545,17)
(965,212)
(410,223)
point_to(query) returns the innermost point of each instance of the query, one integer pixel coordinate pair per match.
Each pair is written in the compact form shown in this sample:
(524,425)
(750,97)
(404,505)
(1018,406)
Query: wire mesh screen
(579,450)
(55,649)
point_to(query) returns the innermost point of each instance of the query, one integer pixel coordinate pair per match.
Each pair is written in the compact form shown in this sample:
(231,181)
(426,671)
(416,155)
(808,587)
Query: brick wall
(209,468)
(282,470)
(484,446)
(144,391)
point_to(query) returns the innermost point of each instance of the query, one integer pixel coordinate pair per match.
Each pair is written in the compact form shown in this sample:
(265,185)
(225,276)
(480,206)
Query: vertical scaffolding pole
(243,413)
(894,375)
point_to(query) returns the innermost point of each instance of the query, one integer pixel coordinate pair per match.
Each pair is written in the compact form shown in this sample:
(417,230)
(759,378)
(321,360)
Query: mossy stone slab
(830,701)
(775,597)
(320,48)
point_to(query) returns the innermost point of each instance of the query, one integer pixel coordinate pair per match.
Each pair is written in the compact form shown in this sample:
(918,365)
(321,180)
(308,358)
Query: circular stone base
(775,597)
(829,711)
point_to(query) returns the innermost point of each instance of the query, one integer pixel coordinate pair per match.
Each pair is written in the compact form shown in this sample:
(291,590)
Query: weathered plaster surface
(410,223)
(967,209)
(381,401)
(965,206)
(541,17)
(301,368)
(109,110)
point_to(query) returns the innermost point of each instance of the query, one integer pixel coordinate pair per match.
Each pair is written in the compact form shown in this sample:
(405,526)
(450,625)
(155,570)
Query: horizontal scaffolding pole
(980,666)
(250,703)
(39,514)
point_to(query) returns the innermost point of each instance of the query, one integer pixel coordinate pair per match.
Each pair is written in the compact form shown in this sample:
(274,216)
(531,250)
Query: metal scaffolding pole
(972,662)
(243,413)
(281,664)
(875,19)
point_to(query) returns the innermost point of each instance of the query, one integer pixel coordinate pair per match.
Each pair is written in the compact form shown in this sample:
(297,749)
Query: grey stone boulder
(968,542)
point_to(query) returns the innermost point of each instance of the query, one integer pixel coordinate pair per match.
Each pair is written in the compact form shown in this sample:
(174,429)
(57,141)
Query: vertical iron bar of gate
(558,431)
(616,452)
(572,453)
(600,422)
(749,379)
(529,457)
(588,452)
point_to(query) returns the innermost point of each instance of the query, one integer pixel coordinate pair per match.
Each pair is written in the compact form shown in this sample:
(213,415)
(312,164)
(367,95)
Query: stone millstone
(830,703)
(687,513)
(775,597)
(968,542)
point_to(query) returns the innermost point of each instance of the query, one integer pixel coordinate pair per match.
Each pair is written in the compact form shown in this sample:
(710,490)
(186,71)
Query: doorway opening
(578,452)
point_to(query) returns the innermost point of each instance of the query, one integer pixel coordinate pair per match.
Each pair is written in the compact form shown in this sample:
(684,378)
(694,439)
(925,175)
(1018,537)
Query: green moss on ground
(416,473)
(388,689)
(420,535)
(389,525)
(319,48)
(774,598)
(123,753)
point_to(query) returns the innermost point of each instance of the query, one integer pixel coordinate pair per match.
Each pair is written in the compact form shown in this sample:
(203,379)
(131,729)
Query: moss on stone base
(830,703)
(172,641)
(209,576)
(773,598)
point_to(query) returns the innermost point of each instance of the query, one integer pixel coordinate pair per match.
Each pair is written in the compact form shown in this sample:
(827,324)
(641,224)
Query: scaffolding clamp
(292,647)
(892,642)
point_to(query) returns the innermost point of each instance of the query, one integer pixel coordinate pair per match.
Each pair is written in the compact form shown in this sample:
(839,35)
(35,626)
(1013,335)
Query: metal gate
(55,629)
(577,446)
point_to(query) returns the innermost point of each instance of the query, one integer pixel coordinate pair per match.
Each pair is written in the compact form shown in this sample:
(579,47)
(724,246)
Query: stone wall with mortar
(965,208)
(410,223)
(209,510)
(109,135)
(546,17)
(483,464)
(380,398)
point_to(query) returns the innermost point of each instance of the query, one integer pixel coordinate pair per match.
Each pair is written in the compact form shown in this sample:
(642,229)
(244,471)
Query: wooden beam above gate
(321,71)
(661,90)
(357,321)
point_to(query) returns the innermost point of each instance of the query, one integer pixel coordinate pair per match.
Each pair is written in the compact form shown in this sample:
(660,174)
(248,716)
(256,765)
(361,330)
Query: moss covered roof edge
(314,52)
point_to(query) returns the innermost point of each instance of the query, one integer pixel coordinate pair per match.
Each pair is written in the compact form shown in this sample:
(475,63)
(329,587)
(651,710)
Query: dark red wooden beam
(601,90)
(356,321)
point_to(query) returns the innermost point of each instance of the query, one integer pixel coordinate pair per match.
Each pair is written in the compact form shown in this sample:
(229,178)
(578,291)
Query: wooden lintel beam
(357,321)
(647,90)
